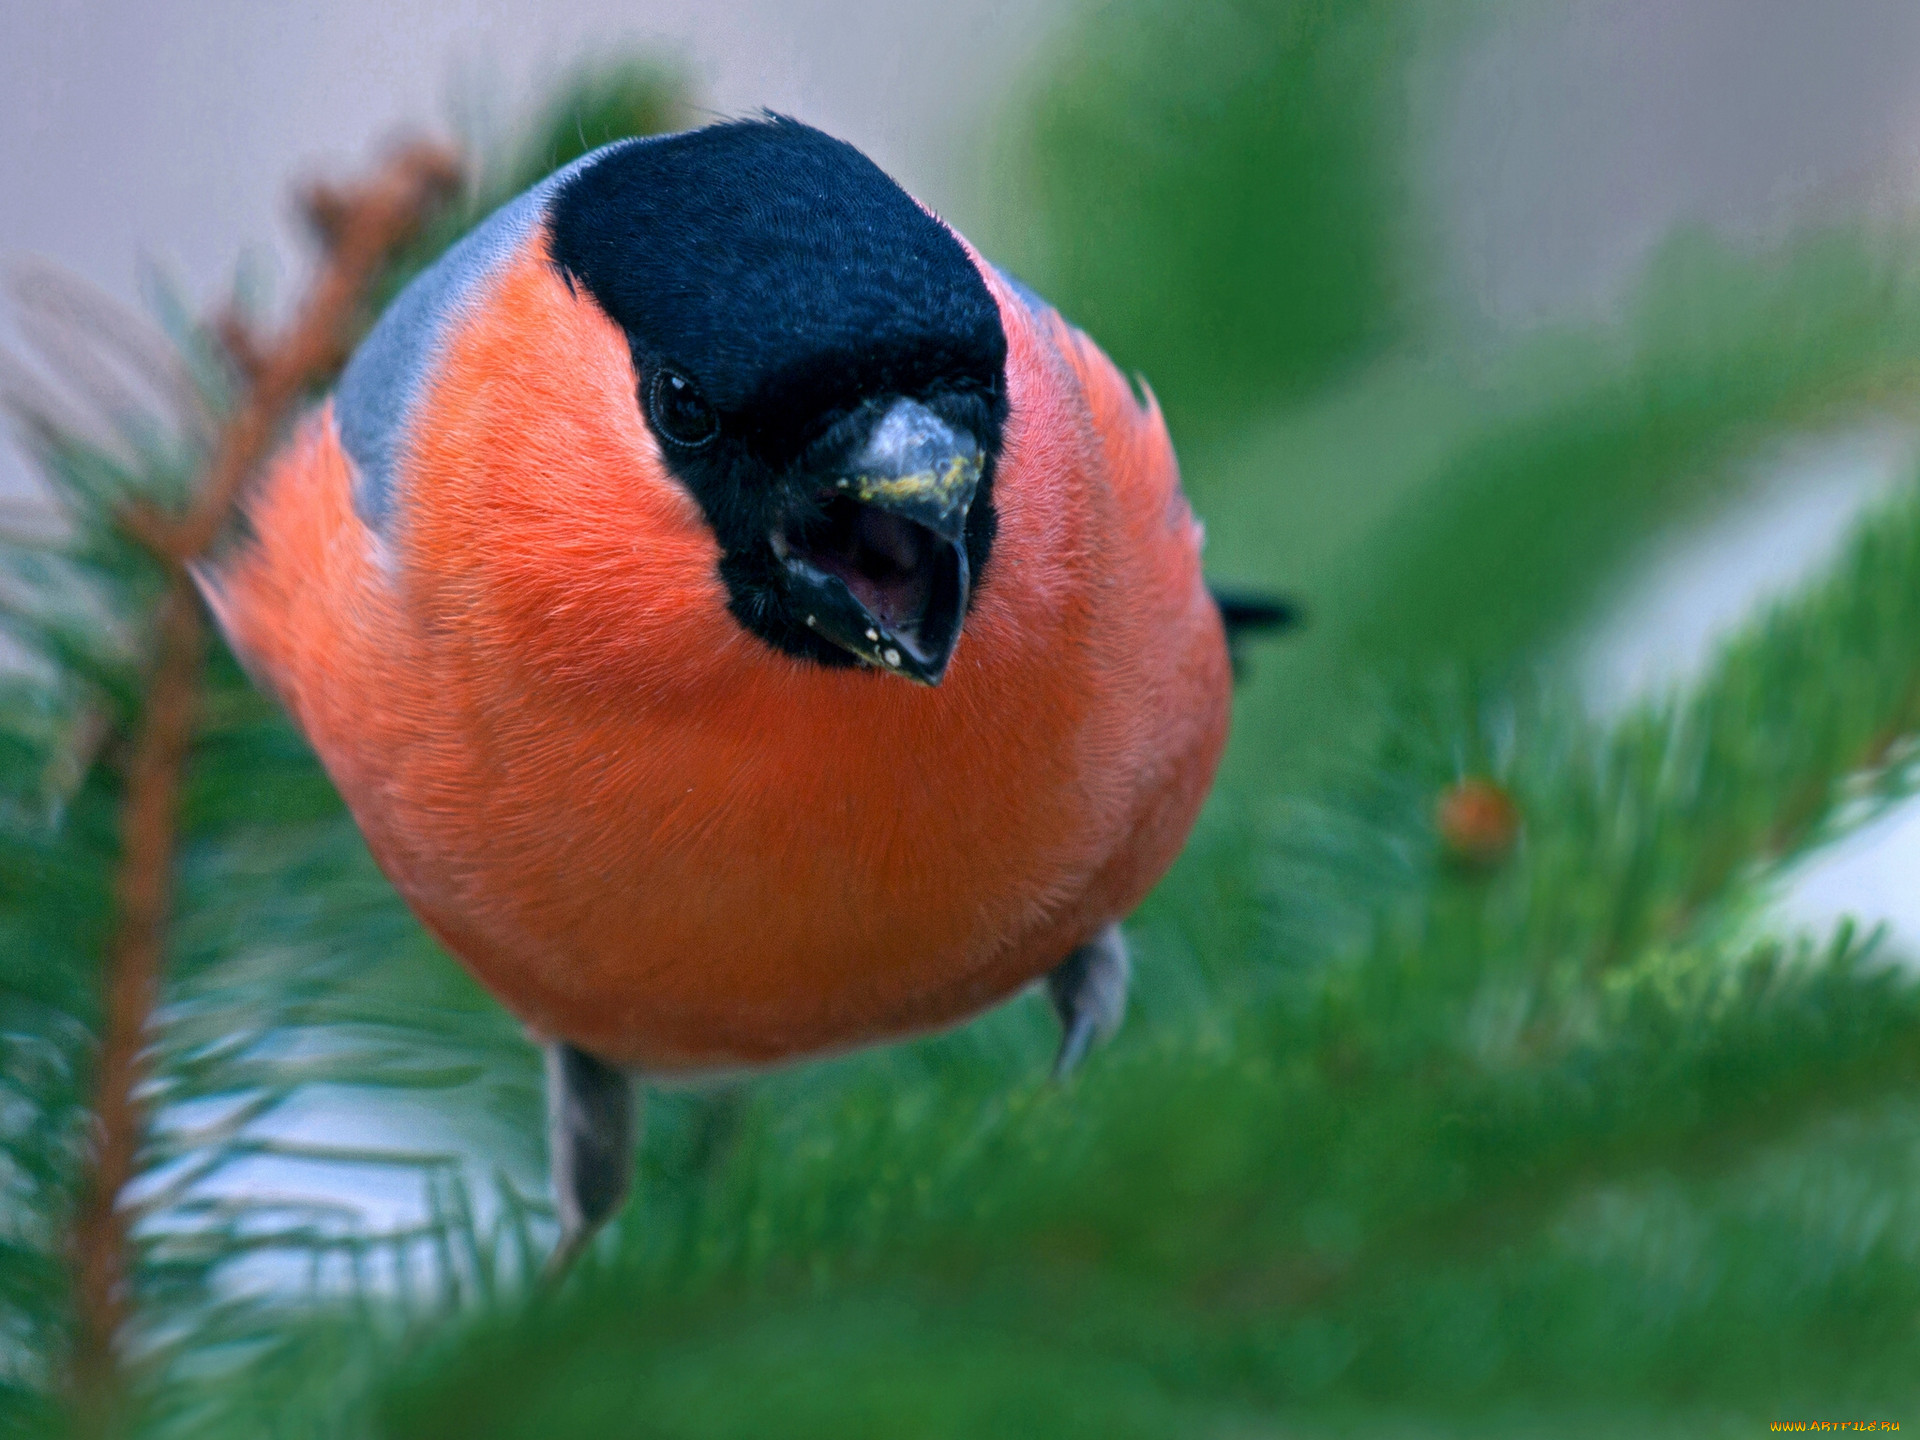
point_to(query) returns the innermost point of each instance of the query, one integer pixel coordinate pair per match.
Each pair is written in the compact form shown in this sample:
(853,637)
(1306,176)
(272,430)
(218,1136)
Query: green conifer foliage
(1431,1117)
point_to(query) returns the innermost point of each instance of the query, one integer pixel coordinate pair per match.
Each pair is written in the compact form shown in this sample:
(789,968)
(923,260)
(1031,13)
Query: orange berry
(1477,820)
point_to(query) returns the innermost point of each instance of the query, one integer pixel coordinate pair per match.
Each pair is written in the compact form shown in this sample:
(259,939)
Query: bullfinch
(744,623)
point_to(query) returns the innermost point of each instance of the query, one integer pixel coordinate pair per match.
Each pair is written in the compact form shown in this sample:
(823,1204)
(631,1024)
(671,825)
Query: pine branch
(132,970)
(360,228)
(1364,1100)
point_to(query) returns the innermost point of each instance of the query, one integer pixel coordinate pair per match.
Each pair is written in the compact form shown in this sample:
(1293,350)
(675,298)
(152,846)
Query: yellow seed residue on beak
(944,487)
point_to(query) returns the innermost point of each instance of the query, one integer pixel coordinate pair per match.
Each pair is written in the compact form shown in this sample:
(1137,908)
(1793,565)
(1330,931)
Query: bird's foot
(590,1138)
(1089,994)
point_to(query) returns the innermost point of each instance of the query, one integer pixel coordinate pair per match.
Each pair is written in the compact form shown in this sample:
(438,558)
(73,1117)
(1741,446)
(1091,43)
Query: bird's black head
(823,367)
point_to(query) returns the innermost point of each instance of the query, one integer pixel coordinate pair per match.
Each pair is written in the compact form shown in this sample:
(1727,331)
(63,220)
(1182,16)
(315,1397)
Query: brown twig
(362,226)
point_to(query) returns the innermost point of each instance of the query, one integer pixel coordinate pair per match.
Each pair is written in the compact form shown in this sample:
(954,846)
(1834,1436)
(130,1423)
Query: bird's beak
(881,569)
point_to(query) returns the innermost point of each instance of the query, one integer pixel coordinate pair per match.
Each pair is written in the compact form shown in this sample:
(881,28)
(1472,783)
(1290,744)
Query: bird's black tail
(1247,613)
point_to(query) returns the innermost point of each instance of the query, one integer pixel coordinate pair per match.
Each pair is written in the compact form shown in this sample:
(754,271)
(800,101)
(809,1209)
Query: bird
(744,623)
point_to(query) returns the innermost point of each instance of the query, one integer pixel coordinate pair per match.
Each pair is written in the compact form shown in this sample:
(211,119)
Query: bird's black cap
(797,290)
(779,269)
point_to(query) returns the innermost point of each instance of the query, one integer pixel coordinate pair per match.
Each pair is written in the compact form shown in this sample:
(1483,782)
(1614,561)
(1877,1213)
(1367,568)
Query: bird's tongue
(884,559)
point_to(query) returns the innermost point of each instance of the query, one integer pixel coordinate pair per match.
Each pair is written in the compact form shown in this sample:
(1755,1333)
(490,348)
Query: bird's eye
(680,412)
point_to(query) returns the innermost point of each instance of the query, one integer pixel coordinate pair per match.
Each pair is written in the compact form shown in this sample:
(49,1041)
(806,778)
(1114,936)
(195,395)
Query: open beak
(881,569)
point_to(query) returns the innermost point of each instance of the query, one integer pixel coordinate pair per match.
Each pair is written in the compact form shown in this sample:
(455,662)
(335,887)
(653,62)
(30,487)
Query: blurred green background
(1562,1127)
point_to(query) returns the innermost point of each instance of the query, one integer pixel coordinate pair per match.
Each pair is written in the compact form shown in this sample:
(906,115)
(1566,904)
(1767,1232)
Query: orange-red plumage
(650,833)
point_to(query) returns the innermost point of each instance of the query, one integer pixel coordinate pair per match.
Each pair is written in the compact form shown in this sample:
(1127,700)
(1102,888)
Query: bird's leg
(590,1139)
(1089,994)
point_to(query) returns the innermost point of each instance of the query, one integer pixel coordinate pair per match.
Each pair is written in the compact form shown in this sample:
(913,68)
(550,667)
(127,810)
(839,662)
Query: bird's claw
(1089,994)
(590,1140)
